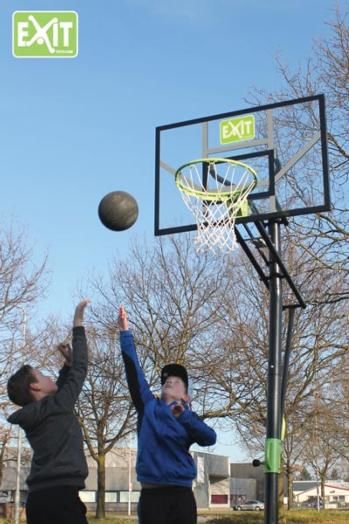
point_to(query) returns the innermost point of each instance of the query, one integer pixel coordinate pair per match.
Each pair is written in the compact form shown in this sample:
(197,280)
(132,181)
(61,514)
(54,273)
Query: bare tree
(320,342)
(321,338)
(104,407)
(21,286)
(211,314)
(173,301)
(5,437)
(324,237)
(323,441)
(21,283)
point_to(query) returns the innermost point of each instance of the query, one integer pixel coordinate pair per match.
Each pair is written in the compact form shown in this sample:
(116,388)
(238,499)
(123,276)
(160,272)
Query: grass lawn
(308,516)
(291,517)
(113,520)
(234,517)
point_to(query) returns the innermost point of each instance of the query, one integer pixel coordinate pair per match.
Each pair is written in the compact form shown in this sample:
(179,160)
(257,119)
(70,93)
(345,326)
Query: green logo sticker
(45,34)
(237,129)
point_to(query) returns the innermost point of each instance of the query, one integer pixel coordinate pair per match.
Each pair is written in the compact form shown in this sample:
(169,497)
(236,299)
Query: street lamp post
(19,440)
(18,477)
(129,480)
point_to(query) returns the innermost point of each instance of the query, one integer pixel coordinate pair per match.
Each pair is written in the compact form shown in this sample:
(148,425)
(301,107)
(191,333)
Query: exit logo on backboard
(45,34)
(237,129)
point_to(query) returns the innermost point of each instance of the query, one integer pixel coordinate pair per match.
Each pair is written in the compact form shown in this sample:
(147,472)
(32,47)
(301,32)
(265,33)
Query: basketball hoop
(216,200)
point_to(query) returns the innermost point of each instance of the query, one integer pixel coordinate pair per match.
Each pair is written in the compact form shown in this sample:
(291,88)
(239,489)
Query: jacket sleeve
(69,391)
(137,384)
(197,430)
(62,376)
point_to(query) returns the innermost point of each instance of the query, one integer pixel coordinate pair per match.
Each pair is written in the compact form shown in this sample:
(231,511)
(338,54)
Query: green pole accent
(283,429)
(272,455)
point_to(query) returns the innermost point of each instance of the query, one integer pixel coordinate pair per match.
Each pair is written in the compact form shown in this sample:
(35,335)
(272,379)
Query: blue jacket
(163,440)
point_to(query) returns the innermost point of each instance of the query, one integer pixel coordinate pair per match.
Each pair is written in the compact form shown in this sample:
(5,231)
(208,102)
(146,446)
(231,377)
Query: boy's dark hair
(18,386)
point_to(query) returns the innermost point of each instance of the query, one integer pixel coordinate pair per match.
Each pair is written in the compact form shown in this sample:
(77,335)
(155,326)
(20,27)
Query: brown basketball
(118,210)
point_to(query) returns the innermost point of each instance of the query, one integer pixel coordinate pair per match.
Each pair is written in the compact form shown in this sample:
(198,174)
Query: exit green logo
(45,34)
(237,129)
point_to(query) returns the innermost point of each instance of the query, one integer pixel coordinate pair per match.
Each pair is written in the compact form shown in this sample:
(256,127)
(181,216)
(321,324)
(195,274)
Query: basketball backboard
(283,142)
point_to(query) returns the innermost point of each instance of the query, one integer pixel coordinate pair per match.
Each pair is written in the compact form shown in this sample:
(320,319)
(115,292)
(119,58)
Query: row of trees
(21,286)
(317,427)
(211,313)
(214,319)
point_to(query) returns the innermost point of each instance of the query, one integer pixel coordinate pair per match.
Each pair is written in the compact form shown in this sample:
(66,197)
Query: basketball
(118,210)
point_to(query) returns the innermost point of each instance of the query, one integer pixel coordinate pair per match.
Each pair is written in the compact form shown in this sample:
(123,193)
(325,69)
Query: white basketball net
(216,206)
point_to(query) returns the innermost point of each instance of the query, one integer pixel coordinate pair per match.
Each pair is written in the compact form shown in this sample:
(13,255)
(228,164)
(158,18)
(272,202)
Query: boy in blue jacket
(166,429)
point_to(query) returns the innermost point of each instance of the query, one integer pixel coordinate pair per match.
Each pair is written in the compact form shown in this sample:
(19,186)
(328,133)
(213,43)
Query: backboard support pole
(273,434)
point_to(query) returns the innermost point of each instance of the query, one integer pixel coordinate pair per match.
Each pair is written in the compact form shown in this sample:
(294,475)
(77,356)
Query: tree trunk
(322,479)
(289,487)
(281,490)
(100,510)
(2,456)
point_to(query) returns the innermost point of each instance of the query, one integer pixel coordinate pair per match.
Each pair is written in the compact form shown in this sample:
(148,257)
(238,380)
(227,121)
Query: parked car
(5,496)
(313,504)
(253,505)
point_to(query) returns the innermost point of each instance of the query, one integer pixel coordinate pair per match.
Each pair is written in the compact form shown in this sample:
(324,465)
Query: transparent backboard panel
(285,143)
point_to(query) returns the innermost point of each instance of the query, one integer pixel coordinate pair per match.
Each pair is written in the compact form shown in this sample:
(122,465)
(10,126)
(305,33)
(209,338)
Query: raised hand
(177,409)
(181,405)
(79,312)
(122,319)
(66,352)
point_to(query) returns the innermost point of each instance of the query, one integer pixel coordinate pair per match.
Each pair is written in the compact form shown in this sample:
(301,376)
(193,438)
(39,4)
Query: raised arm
(73,379)
(137,384)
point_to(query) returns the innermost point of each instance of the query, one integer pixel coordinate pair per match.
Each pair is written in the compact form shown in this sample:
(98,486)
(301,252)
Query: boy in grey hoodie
(59,467)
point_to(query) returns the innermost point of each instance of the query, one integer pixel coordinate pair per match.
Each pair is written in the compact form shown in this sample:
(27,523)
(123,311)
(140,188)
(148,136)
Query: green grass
(308,516)
(112,520)
(291,517)
(315,517)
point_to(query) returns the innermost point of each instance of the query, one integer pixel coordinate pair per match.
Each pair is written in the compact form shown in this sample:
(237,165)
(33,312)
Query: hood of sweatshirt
(28,416)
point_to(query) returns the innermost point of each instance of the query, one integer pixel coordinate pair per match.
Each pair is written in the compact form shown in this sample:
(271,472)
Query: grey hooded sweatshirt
(53,430)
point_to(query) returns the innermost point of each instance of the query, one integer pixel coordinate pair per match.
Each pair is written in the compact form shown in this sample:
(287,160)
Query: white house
(336,493)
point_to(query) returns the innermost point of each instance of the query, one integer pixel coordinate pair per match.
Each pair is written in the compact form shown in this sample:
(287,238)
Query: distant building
(242,490)
(247,482)
(211,487)
(306,492)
